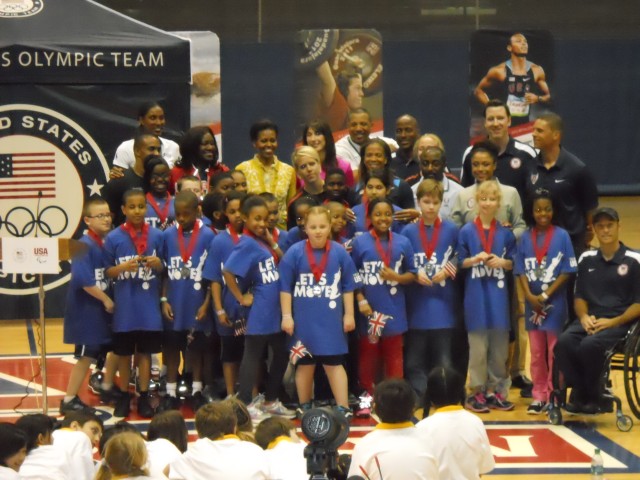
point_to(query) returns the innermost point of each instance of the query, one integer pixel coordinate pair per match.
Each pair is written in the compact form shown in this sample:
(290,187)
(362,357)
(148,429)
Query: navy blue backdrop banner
(68,98)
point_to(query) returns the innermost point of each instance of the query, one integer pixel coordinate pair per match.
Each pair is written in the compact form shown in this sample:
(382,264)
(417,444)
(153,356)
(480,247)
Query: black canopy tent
(72,74)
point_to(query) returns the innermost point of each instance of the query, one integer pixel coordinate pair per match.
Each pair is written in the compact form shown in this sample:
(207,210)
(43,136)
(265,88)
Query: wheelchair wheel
(632,372)
(624,423)
(555,416)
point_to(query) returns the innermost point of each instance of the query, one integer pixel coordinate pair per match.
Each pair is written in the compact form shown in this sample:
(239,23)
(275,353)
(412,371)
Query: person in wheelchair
(607,301)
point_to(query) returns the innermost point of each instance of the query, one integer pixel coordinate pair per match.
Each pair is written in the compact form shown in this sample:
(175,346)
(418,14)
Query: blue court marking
(590,434)
(7,387)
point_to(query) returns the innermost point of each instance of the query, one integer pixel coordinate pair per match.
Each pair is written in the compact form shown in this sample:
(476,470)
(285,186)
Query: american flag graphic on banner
(25,175)
(377,321)
(298,351)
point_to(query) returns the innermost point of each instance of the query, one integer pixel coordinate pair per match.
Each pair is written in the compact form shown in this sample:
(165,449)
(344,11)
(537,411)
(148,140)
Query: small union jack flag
(298,351)
(377,321)
(537,317)
(451,269)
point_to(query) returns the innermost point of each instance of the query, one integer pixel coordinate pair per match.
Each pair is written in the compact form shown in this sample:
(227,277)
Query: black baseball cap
(605,212)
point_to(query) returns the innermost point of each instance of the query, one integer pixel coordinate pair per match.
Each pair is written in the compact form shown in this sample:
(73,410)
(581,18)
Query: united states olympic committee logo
(48,166)
(20,8)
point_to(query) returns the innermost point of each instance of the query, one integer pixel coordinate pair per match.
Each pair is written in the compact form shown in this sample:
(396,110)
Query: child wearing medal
(377,186)
(185,300)
(230,315)
(543,264)
(433,299)
(317,281)
(301,206)
(251,275)
(133,254)
(213,205)
(279,236)
(485,252)
(160,210)
(88,309)
(385,263)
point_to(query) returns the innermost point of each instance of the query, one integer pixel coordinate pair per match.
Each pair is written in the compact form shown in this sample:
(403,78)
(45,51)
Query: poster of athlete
(515,67)
(338,71)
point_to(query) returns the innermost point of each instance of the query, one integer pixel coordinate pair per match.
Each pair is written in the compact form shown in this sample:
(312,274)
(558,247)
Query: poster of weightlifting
(516,67)
(338,71)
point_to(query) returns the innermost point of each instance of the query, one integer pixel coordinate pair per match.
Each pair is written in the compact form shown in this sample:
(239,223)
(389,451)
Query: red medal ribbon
(234,235)
(263,242)
(542,252)
(318,269)
(365,204)
(275,233)
(429,246)
(186,253)
(139,241)
(487,244)
(386,257)
(95,237)
(162,215)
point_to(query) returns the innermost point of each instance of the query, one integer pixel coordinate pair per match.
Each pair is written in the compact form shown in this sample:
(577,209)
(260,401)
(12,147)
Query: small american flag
(298,351)
(377,321)
(537,317)
(451,269)
(27,175)
(239,327)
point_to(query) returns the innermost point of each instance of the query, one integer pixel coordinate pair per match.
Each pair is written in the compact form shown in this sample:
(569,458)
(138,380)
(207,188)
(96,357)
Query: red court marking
(549,447)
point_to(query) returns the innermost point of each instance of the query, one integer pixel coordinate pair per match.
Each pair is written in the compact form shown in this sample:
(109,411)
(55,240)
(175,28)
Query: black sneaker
(346,412)
(537,407)
(123,407)
(302,409)
(498,402)
(527,392)
(145,410)
(169,403)
(209,394)
(198,400)
(110,396)
(521,382)
(75,405)
(477,403)
(95,382)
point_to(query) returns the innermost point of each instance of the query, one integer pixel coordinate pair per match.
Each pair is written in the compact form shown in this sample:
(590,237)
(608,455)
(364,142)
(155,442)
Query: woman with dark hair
(264,172)
(13,450)
(376,155)
(317,134)
(150,120)
(200,157)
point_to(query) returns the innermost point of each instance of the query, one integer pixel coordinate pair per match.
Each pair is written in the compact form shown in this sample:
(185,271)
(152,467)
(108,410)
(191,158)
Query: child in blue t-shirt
(279,236)
(133,255)
(317,282)
(377,186)
(254,260)
(88,309)
(160,209)
(486,250)
(301,206)
(543,264)
(185,300)
(230,315)
(385,263)
(432,301)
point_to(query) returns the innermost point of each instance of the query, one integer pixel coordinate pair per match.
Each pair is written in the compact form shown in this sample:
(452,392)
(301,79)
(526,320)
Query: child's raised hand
(287,325)
(349,323)
(167,311)
(351,217)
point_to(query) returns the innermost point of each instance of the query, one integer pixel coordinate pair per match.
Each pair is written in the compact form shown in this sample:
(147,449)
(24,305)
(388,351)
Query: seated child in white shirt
(80,432)
(13,450)
(44,461)
(284,449)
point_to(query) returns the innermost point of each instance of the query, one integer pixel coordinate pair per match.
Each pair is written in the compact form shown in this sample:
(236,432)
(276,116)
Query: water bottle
(597,466)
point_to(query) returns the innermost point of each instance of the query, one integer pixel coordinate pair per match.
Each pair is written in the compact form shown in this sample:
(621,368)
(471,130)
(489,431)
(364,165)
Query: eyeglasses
(101,216)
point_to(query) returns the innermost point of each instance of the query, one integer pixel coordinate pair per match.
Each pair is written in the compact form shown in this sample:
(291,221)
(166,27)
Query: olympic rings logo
(34,222)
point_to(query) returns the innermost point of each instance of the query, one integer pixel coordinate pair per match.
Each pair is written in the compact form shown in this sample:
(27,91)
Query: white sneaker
(277,408)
